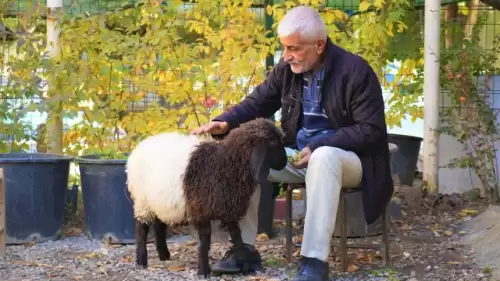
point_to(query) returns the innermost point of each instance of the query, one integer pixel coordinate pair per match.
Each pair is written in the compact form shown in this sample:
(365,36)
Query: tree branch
(495,4)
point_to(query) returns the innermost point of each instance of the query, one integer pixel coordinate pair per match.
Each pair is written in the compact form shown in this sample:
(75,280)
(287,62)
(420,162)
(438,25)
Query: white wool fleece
(154,176)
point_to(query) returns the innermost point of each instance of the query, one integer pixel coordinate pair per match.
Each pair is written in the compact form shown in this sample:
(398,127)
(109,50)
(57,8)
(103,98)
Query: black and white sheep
(178,179)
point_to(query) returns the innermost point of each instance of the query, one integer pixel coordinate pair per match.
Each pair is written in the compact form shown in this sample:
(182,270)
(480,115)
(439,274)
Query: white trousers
(329,170)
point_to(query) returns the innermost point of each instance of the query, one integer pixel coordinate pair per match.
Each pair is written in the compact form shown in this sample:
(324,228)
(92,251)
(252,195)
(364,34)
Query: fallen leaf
(448,233)
(128,259)
(262,237)
(435,233)
(363,257)
(470,211)
(352,267)
(31,244)
(467,212)
(454,262)
(91,255)
(296,253)
(462,232)
(176,268)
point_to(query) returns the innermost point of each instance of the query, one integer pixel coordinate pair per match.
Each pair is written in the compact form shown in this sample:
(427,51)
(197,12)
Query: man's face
(302,55)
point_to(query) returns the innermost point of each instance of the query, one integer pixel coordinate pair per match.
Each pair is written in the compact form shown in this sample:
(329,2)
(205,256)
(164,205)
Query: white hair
(305,21)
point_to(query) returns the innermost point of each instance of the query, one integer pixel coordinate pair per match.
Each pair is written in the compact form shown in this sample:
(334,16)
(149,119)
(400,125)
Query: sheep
(183,179)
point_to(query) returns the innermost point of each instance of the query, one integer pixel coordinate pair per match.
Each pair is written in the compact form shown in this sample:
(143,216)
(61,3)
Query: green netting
(76,6)
(96,6)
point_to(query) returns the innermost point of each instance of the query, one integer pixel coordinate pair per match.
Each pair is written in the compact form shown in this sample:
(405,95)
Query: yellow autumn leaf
(262,237)
(378,3)
(269,10)
(364,5)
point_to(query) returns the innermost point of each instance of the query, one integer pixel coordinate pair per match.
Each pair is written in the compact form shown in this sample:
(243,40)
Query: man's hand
(304,155)
(213,128)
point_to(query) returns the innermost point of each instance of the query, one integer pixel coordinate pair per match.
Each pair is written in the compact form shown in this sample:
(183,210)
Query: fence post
(432,30)
(54,118)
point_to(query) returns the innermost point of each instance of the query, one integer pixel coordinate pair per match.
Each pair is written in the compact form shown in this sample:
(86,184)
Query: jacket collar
(332,53)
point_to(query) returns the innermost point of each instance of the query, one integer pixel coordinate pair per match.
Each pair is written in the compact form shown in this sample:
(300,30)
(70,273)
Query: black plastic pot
(35,190)
(404,161)
(268,194)
(107,204)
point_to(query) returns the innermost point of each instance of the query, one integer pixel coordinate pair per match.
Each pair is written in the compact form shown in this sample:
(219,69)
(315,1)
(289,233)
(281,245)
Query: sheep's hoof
(164,255)
(141,264)
(142,261)
(203,274)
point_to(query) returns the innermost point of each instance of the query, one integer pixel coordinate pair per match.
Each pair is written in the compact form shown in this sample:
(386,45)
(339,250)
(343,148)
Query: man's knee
(324,154)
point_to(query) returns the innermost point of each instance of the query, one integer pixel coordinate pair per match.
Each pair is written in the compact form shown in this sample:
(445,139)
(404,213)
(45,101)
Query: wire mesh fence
(124,74)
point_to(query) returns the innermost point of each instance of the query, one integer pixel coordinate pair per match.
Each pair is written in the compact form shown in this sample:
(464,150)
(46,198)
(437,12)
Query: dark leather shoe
(241,260)
(312,269)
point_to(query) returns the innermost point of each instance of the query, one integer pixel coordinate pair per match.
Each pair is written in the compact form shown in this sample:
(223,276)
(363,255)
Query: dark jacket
(352,99)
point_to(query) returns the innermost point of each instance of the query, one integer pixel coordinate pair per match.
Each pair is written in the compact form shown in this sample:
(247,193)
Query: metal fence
(19,19)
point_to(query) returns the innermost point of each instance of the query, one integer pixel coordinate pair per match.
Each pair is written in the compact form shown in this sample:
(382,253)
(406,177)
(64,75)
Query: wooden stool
(343,246)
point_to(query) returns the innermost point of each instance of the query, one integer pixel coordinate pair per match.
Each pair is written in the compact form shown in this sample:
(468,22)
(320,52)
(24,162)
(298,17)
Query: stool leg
(343,234)
(289,223)
(385,237)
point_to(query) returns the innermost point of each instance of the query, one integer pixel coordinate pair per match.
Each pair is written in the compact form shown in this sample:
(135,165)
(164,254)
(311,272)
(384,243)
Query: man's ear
(320,46)
(260,167)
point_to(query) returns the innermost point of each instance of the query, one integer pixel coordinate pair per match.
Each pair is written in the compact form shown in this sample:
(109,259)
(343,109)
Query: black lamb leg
(141,236)
(204,234)
(160,229)
(235,233)
(248,260)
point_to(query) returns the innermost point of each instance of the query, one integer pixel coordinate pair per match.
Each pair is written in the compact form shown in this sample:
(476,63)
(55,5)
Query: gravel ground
(427,245)
(78,258)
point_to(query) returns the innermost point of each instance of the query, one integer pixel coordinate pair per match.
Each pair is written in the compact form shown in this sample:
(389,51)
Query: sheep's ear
(259,164)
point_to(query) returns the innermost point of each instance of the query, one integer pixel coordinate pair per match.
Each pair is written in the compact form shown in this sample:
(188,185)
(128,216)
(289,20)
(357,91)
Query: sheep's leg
(141,236)
(248,260)
(235,233)
(204,234)
(160,229)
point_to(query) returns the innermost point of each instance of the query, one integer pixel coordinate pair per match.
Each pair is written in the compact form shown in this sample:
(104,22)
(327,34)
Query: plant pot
(266,209)
(404,160)
(108,208)
(35,194)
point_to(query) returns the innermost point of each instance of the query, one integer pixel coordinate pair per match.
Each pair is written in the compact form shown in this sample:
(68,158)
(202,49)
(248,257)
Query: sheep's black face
(276,156)
(265,156)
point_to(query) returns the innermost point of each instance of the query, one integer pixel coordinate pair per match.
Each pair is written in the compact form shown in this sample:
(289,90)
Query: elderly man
(332,111)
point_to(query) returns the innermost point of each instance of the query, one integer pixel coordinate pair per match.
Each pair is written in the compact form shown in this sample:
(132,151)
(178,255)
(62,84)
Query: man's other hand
(304,156)
(213,128)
